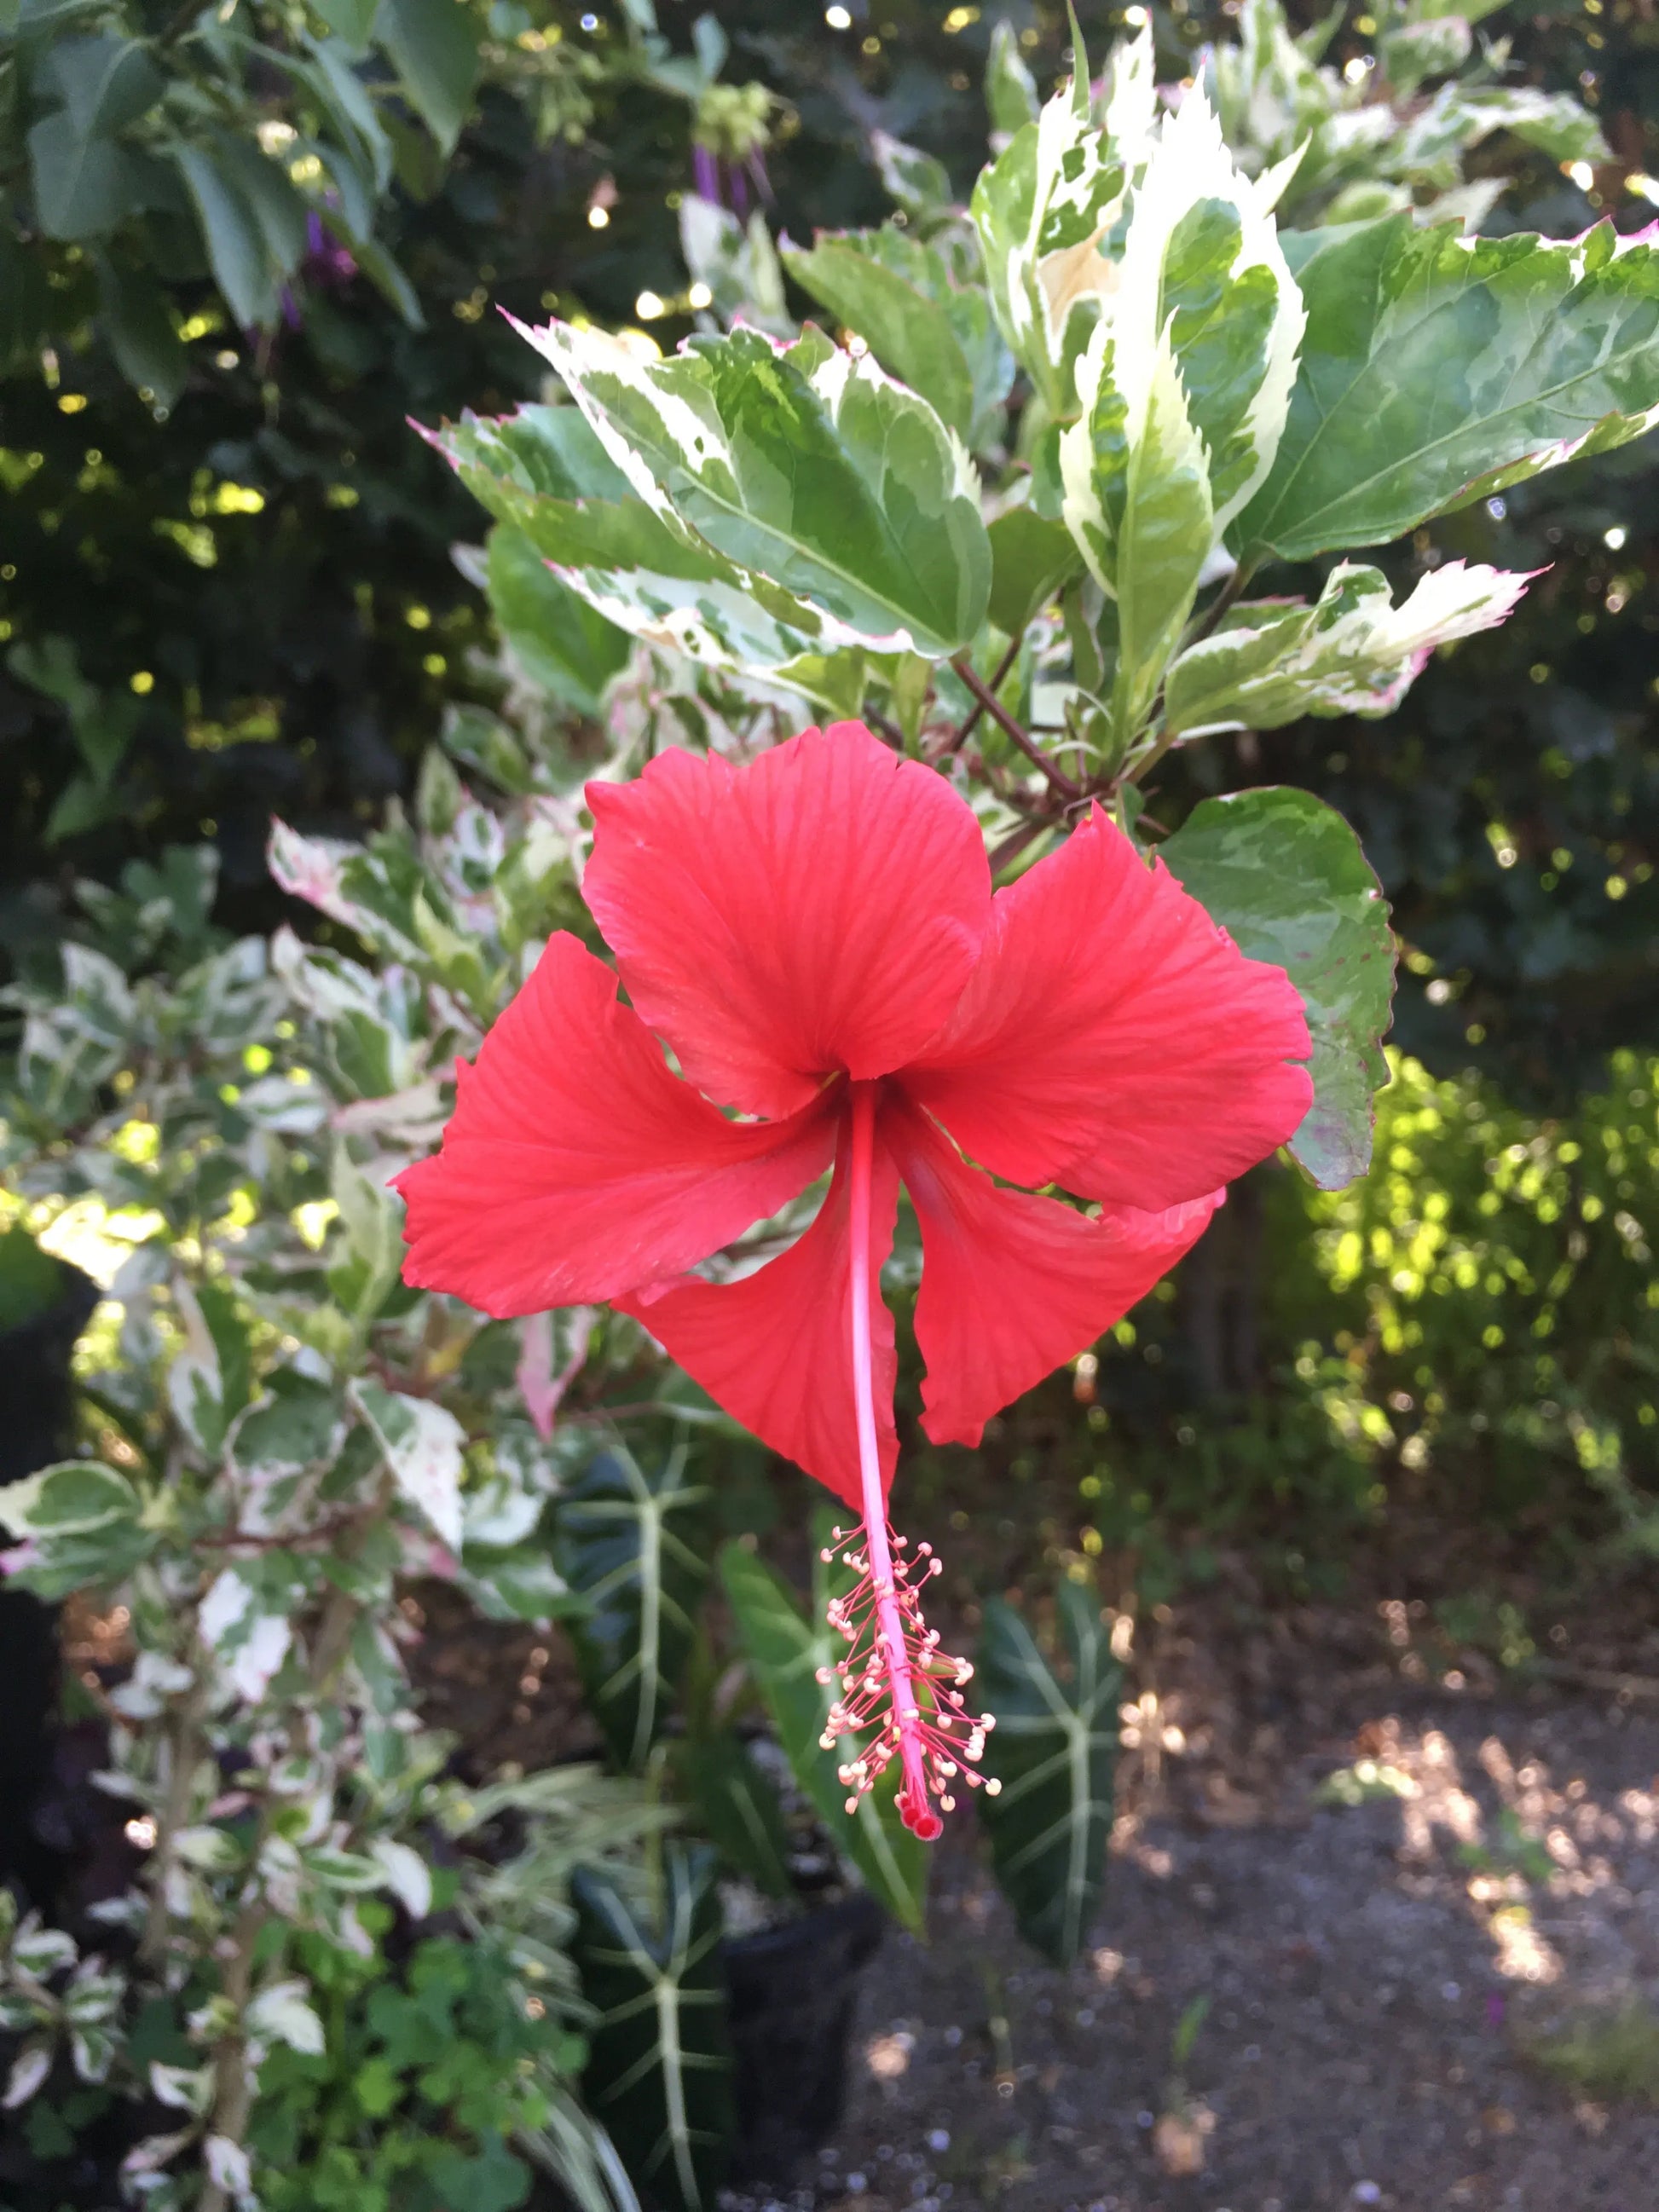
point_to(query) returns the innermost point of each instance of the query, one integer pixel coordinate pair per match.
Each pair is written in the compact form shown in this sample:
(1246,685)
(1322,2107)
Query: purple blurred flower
(728,183)
(326,264)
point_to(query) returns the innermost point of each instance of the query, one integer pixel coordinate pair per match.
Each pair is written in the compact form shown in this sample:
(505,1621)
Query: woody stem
(890,1625)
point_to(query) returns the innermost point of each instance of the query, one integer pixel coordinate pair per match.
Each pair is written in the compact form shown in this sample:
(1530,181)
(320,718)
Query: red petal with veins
(776,1348)
(1113,1039)
(1012,1286)
(817,910)
(577,1166)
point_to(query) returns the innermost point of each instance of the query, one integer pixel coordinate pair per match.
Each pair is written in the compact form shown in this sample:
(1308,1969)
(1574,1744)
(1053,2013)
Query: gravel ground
(1375,1975)
(1379,1974)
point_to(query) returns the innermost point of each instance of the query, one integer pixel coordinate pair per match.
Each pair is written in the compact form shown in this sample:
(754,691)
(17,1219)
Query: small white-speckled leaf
(251,1643)
(422,1442)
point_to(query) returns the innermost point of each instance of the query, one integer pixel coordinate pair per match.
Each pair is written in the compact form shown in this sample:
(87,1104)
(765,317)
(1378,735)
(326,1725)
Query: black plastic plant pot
(35,1352)
(792,1991)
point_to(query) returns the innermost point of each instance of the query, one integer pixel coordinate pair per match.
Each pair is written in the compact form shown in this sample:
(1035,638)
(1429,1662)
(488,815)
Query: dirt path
(1376,1974)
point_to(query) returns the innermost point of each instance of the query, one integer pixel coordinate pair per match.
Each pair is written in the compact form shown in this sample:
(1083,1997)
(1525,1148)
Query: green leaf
(433,46)
(658,2077)
(352,21)
(1437,370)
(1283,872)
(1053,1750)
(83,804)
(844,488)
(908,331)
(235,243)
(926,318)
(786,1651)
(632,1542)
(1272,662)
(1010,93)
(104,82)
(277,207)
(1032,559)
(560,641)
(331,76)
(84,187)
(737,1807)
(148,351)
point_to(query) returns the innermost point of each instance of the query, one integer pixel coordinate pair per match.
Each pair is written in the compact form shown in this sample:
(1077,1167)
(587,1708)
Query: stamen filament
(894,1678)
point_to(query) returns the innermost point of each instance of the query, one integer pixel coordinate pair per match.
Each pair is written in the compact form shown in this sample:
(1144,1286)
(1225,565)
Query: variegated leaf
(632,1542)
(1049,211)
(1202,261)
(1138,503)
(1438,369)
(422,1442)
(1459,116)
(1010,93)
(28,2070)
(280,2014)
(1355,652)
(72,1498)
(658,2067)
(736,262)
(543,473)
(252,1640)
(789,1651)
(800,465)
(1055,1752)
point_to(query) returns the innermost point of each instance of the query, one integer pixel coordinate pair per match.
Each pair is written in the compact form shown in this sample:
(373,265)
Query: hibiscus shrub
(942,974)
(1167,400)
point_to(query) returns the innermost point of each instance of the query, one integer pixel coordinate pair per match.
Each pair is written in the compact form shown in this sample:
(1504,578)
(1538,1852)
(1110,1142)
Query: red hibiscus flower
(814,937)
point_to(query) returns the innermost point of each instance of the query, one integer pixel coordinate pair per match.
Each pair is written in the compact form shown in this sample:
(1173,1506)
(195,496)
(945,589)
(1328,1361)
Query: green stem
(184,1741)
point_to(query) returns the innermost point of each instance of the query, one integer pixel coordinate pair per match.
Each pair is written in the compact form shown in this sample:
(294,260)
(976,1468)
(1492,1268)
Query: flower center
(894,1680)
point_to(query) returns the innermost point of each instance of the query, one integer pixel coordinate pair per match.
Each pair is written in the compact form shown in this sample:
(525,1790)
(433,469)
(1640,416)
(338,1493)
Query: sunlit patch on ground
(1431,1959)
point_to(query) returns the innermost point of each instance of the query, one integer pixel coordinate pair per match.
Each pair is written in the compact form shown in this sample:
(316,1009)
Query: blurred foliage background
(227,588)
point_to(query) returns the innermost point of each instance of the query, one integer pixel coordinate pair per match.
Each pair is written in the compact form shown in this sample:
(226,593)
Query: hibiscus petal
(1012,1286)
(577,1166)
(1113,1040)
(776,1350)
(819,909)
